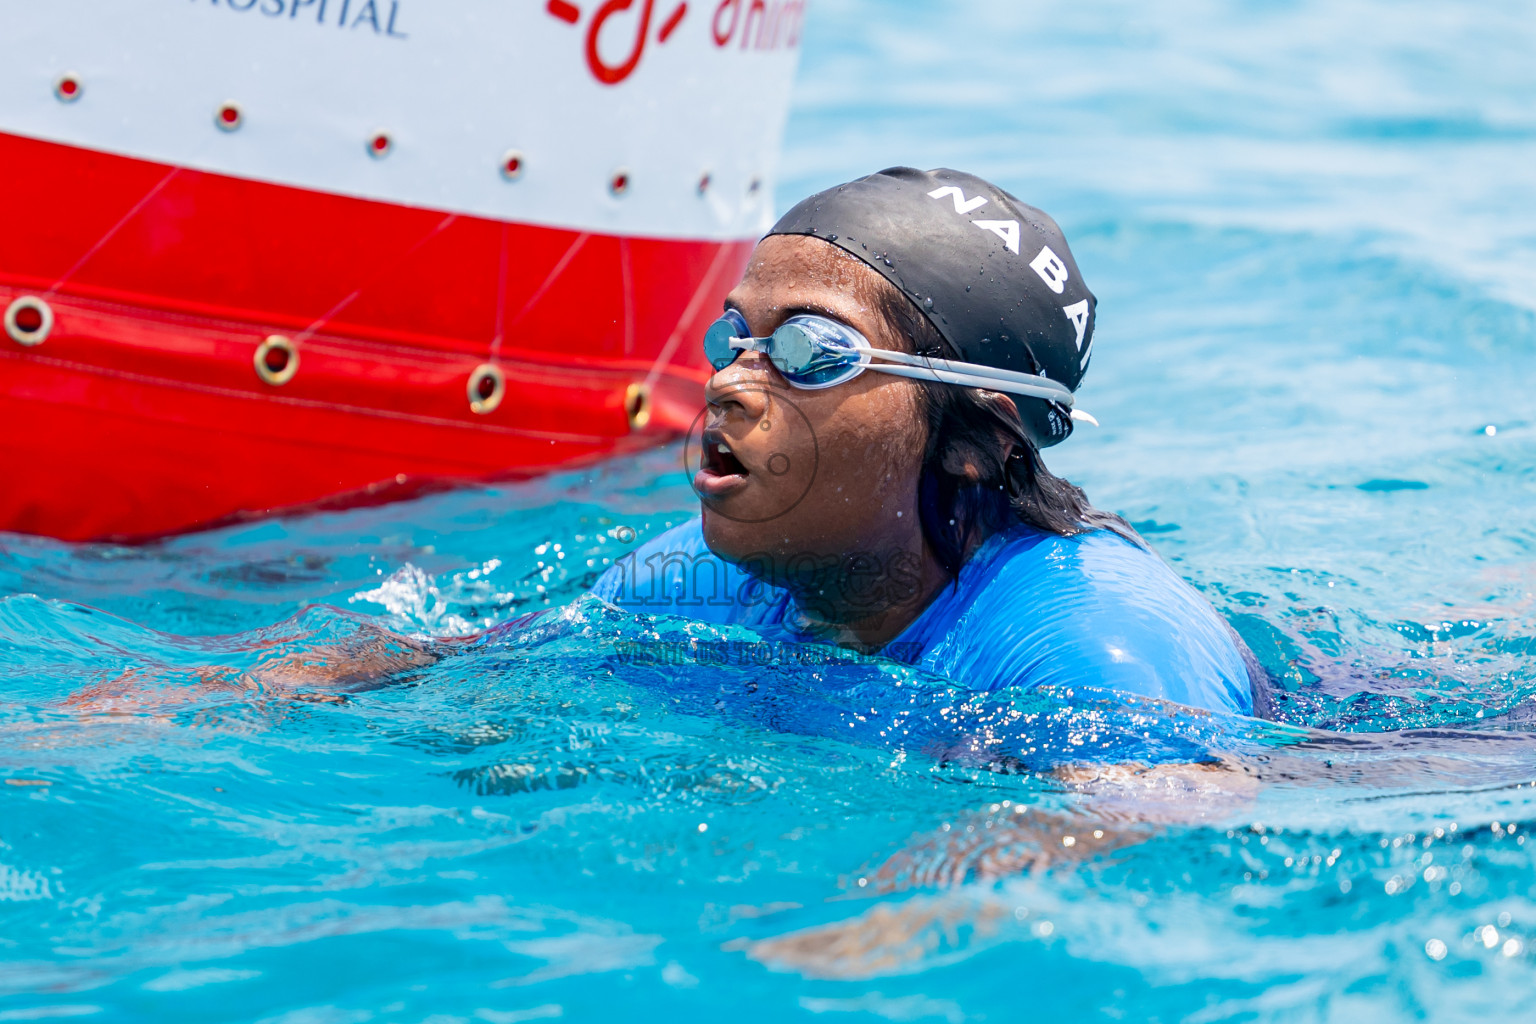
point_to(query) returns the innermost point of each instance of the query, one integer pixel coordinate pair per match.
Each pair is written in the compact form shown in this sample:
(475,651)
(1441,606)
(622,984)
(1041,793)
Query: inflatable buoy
(544,202)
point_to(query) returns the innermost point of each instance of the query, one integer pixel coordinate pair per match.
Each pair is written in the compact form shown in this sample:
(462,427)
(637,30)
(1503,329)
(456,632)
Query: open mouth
(719,468)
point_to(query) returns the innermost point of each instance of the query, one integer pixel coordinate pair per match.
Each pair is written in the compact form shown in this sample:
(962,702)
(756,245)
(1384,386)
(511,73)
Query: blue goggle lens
(717,340)
(809,351)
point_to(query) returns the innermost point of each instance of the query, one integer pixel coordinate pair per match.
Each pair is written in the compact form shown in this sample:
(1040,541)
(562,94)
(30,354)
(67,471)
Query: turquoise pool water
(1312,229)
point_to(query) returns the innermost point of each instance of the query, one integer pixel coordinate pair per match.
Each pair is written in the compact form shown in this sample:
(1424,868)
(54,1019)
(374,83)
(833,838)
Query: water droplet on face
(928,302)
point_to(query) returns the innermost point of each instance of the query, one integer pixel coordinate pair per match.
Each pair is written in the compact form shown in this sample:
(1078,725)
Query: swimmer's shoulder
(675,573)
(656,570)
(1091,609)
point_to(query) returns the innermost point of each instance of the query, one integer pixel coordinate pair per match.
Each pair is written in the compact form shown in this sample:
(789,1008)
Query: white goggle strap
(971,375)
(1047,388)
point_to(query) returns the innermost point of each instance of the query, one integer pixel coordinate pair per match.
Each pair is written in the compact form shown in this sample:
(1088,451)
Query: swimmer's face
(809,474)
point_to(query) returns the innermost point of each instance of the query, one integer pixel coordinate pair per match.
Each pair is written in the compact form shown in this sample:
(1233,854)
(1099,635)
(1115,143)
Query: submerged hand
(370,656)
(1122,805)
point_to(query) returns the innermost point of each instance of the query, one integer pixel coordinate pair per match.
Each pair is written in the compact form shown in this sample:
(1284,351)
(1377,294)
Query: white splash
(414,604)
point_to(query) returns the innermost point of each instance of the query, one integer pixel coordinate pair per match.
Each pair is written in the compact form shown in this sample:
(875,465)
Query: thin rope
(565,261)
(104,239)
(688,314)
(344,303)
(627,287)
(501,297)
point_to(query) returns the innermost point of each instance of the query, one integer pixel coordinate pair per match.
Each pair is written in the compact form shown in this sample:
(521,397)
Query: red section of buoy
(150,417)
(228,117)
(380,145)
(568,13)
(67,88)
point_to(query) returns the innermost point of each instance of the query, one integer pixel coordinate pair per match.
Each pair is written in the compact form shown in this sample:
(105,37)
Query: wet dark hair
(967,425)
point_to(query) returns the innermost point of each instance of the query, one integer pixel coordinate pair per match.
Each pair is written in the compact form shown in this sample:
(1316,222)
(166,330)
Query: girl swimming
(907,511)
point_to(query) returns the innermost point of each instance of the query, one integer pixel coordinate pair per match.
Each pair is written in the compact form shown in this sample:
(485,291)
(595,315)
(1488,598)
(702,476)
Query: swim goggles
(814,352)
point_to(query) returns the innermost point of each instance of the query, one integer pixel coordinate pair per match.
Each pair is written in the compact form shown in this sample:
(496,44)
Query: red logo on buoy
(602,70)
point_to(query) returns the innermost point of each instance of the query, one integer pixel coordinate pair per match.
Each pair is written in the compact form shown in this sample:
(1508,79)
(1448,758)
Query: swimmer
(888,371)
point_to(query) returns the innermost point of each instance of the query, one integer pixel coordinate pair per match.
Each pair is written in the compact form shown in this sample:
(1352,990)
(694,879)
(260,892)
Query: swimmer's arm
(1122,805)
(370,658)
(373,656)
(1116,806)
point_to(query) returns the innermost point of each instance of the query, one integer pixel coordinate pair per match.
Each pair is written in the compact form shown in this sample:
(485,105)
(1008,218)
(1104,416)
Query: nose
(741,390)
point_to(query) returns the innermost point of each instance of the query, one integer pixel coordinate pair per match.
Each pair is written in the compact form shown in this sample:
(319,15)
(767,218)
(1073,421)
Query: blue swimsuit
(1029,608)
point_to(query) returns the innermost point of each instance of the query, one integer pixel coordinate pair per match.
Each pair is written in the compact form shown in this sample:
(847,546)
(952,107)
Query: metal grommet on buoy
(637,406)
(619,183)
(512,165)
(68,88)
(228,117)
(28,320)
(277,360)
(380,145)
(487,387)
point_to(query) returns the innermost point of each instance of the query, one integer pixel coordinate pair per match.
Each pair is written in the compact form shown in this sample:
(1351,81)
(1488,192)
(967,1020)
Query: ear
(961,459)
(975,461)
(976,464)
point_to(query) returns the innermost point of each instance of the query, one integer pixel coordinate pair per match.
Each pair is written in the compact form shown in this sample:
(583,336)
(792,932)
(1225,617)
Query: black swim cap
(992,274)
